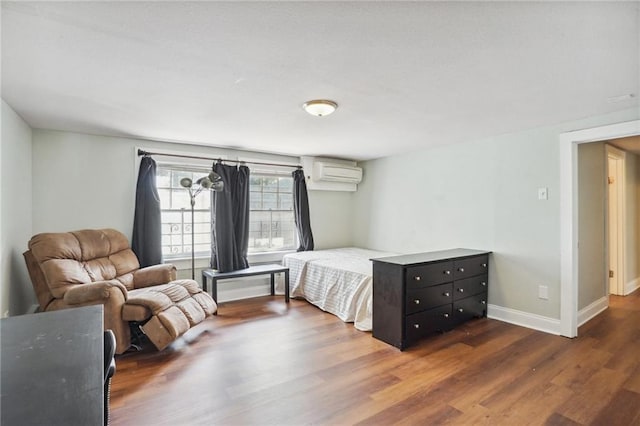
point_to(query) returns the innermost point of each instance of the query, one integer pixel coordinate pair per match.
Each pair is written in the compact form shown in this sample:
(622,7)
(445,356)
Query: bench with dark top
(270,269)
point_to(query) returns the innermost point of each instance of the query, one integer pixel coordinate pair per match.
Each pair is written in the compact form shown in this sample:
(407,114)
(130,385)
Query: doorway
(569,214)
(616,208)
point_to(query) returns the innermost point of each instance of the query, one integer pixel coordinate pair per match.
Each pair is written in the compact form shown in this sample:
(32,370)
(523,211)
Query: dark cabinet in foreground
(416,295)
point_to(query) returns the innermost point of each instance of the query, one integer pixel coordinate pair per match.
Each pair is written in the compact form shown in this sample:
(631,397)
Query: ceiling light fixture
(320,107)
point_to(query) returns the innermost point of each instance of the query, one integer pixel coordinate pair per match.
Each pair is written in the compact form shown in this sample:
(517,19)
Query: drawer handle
(446,294)
(484,284)
(447,272)
(416,301)
(460,310)
(445,315)
(417,278)
(484,302)
(416,325)
(461,269)
(461,290)
(484,265)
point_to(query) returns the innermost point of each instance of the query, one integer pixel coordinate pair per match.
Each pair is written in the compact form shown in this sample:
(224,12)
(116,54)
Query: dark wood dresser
(415,295)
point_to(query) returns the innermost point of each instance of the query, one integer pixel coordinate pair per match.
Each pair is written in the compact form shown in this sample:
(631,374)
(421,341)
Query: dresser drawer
(470,307)
(431,274)
(470,286)
(420,299)
(427,322)
(471,266)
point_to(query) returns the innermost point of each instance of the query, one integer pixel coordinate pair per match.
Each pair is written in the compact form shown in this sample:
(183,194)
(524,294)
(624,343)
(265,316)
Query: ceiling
(406,75)
(630,144)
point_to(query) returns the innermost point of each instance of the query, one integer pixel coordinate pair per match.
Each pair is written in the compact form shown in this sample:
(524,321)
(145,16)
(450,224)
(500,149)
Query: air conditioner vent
(331,174)
(334,172)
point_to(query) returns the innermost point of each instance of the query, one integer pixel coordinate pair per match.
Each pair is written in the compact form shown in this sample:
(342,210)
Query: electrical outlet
(543,292)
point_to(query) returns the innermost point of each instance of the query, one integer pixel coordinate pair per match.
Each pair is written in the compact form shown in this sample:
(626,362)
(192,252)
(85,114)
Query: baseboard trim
(592,310)
(524,319)
(631,286)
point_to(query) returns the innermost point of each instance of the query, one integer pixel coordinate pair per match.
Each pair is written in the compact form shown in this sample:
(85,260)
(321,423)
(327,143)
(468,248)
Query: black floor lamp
(212,182)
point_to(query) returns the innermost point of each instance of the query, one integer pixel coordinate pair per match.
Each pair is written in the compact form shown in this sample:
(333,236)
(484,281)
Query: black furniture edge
(264,269)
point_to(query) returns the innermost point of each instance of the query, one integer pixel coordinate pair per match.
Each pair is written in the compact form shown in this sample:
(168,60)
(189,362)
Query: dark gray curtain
(301,211)
(230,219)
(147,224)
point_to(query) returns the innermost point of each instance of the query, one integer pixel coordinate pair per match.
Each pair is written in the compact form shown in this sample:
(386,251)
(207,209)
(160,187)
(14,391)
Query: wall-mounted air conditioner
(334,172)
(326,174)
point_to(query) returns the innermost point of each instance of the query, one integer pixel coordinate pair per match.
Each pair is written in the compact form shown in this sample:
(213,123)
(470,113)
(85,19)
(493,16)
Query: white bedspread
(338,281)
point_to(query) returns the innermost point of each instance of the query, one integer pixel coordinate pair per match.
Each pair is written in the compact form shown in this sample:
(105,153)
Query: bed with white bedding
(338,281)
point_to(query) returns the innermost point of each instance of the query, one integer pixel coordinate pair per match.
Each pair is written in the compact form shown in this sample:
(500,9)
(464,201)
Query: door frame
(569,142)
(619,157)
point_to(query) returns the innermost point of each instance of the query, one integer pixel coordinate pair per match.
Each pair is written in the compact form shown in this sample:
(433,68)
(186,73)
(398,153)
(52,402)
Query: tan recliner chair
(92,267)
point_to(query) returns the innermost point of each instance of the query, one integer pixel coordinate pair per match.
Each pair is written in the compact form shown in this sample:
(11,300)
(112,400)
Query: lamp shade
(205,182)
(186,182)
(217,186)
(213,181)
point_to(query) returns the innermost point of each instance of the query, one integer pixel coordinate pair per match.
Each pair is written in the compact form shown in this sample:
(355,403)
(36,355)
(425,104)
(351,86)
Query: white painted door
(615,221)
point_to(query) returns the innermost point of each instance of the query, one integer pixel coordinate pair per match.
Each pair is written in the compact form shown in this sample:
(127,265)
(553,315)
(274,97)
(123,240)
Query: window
(175,208)
(271,221)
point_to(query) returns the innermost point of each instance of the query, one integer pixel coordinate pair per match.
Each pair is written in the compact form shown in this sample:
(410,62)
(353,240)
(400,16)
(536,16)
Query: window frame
(261,173)
(192,168)
(204,167)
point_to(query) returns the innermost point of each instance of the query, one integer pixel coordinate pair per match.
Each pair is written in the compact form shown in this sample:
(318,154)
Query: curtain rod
(142,152)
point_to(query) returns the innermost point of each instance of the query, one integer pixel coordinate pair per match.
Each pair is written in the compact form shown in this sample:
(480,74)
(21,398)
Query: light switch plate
(543,194)
(543,292)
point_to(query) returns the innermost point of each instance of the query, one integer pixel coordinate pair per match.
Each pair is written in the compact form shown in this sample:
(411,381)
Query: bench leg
(214,291)
(273,283)
(286,286)
(204,282)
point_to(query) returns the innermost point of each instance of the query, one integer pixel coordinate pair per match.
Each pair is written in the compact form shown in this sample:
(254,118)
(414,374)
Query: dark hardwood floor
(260,362)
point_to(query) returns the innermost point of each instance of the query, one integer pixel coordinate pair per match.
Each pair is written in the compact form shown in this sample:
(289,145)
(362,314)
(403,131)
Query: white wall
(16,292)
(89,182)
(82,182)
(592,258)
(481,194)
(331,217)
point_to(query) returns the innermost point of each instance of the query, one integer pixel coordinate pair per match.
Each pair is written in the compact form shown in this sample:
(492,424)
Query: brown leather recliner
(92,267)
